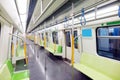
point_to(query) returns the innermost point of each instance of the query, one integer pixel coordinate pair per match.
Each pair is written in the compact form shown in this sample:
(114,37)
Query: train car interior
(59,39)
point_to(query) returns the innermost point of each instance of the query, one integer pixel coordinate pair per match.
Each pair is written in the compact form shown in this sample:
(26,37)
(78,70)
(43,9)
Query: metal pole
(25,52)
(72,36)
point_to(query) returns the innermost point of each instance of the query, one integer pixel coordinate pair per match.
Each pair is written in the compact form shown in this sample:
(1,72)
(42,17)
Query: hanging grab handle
(82,18)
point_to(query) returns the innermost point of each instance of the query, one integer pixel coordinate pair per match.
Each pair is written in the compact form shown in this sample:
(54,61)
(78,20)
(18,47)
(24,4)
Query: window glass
(110,31)
(114,31)
(68,40)
(42,36)
(102,32)
(75,39)
(55,37)
(109,45)
(39,35)
(47,37)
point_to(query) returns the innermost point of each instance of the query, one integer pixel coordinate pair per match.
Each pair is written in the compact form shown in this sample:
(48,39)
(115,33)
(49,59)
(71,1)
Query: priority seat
(98,68)
(7,72)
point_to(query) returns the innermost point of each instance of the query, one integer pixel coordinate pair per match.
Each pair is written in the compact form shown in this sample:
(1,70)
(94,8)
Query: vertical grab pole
(25,52)
(44,35)
(44,40)
(12,49)
(72,48)
(35,38)
(40,39)
(72,37)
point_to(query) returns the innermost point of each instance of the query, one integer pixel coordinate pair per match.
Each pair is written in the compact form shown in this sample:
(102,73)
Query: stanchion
(25,53)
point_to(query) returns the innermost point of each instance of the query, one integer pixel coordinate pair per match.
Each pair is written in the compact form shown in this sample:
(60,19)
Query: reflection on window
(75,39)
(108,42)
(55,37)
(102,32)
(68,40)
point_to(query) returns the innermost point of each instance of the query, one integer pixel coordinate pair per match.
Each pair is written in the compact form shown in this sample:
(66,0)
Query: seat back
(4,73)
(59,49)
(42,43)
(103,65)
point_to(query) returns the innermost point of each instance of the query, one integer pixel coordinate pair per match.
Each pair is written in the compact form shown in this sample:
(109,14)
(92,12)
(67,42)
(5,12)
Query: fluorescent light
(22,6)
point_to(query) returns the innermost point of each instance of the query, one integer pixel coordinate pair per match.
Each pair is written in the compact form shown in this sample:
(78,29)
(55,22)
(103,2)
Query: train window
(47,37)
(76,39)
(39,35)
(108,42)
(68,40)
(42,36)
(55,37)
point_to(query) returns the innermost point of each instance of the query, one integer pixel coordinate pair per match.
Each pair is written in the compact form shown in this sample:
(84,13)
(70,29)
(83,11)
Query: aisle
(45,66)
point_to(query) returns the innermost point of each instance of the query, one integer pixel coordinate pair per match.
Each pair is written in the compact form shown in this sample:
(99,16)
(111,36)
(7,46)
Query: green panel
(59,49)
(20,75)
(113,23)
(10,66)
(102,65)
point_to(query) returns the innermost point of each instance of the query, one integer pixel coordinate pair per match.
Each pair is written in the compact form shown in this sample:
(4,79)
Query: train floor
(45,66)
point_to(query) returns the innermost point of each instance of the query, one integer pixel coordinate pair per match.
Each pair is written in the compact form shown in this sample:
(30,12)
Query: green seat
(58,49)
(50,48)
(54,50)
(4,73)
(21,75)
(10,66)
(41,43)
(98,68)
(8,70)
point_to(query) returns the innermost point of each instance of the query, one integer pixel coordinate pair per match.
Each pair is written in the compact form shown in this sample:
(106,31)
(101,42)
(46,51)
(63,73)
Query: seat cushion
(4,73)
(99,66)
(91,72)
(103,65)
(20,75)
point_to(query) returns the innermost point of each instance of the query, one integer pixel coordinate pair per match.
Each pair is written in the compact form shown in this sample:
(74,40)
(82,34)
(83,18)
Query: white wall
(89,44)
(4,42)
